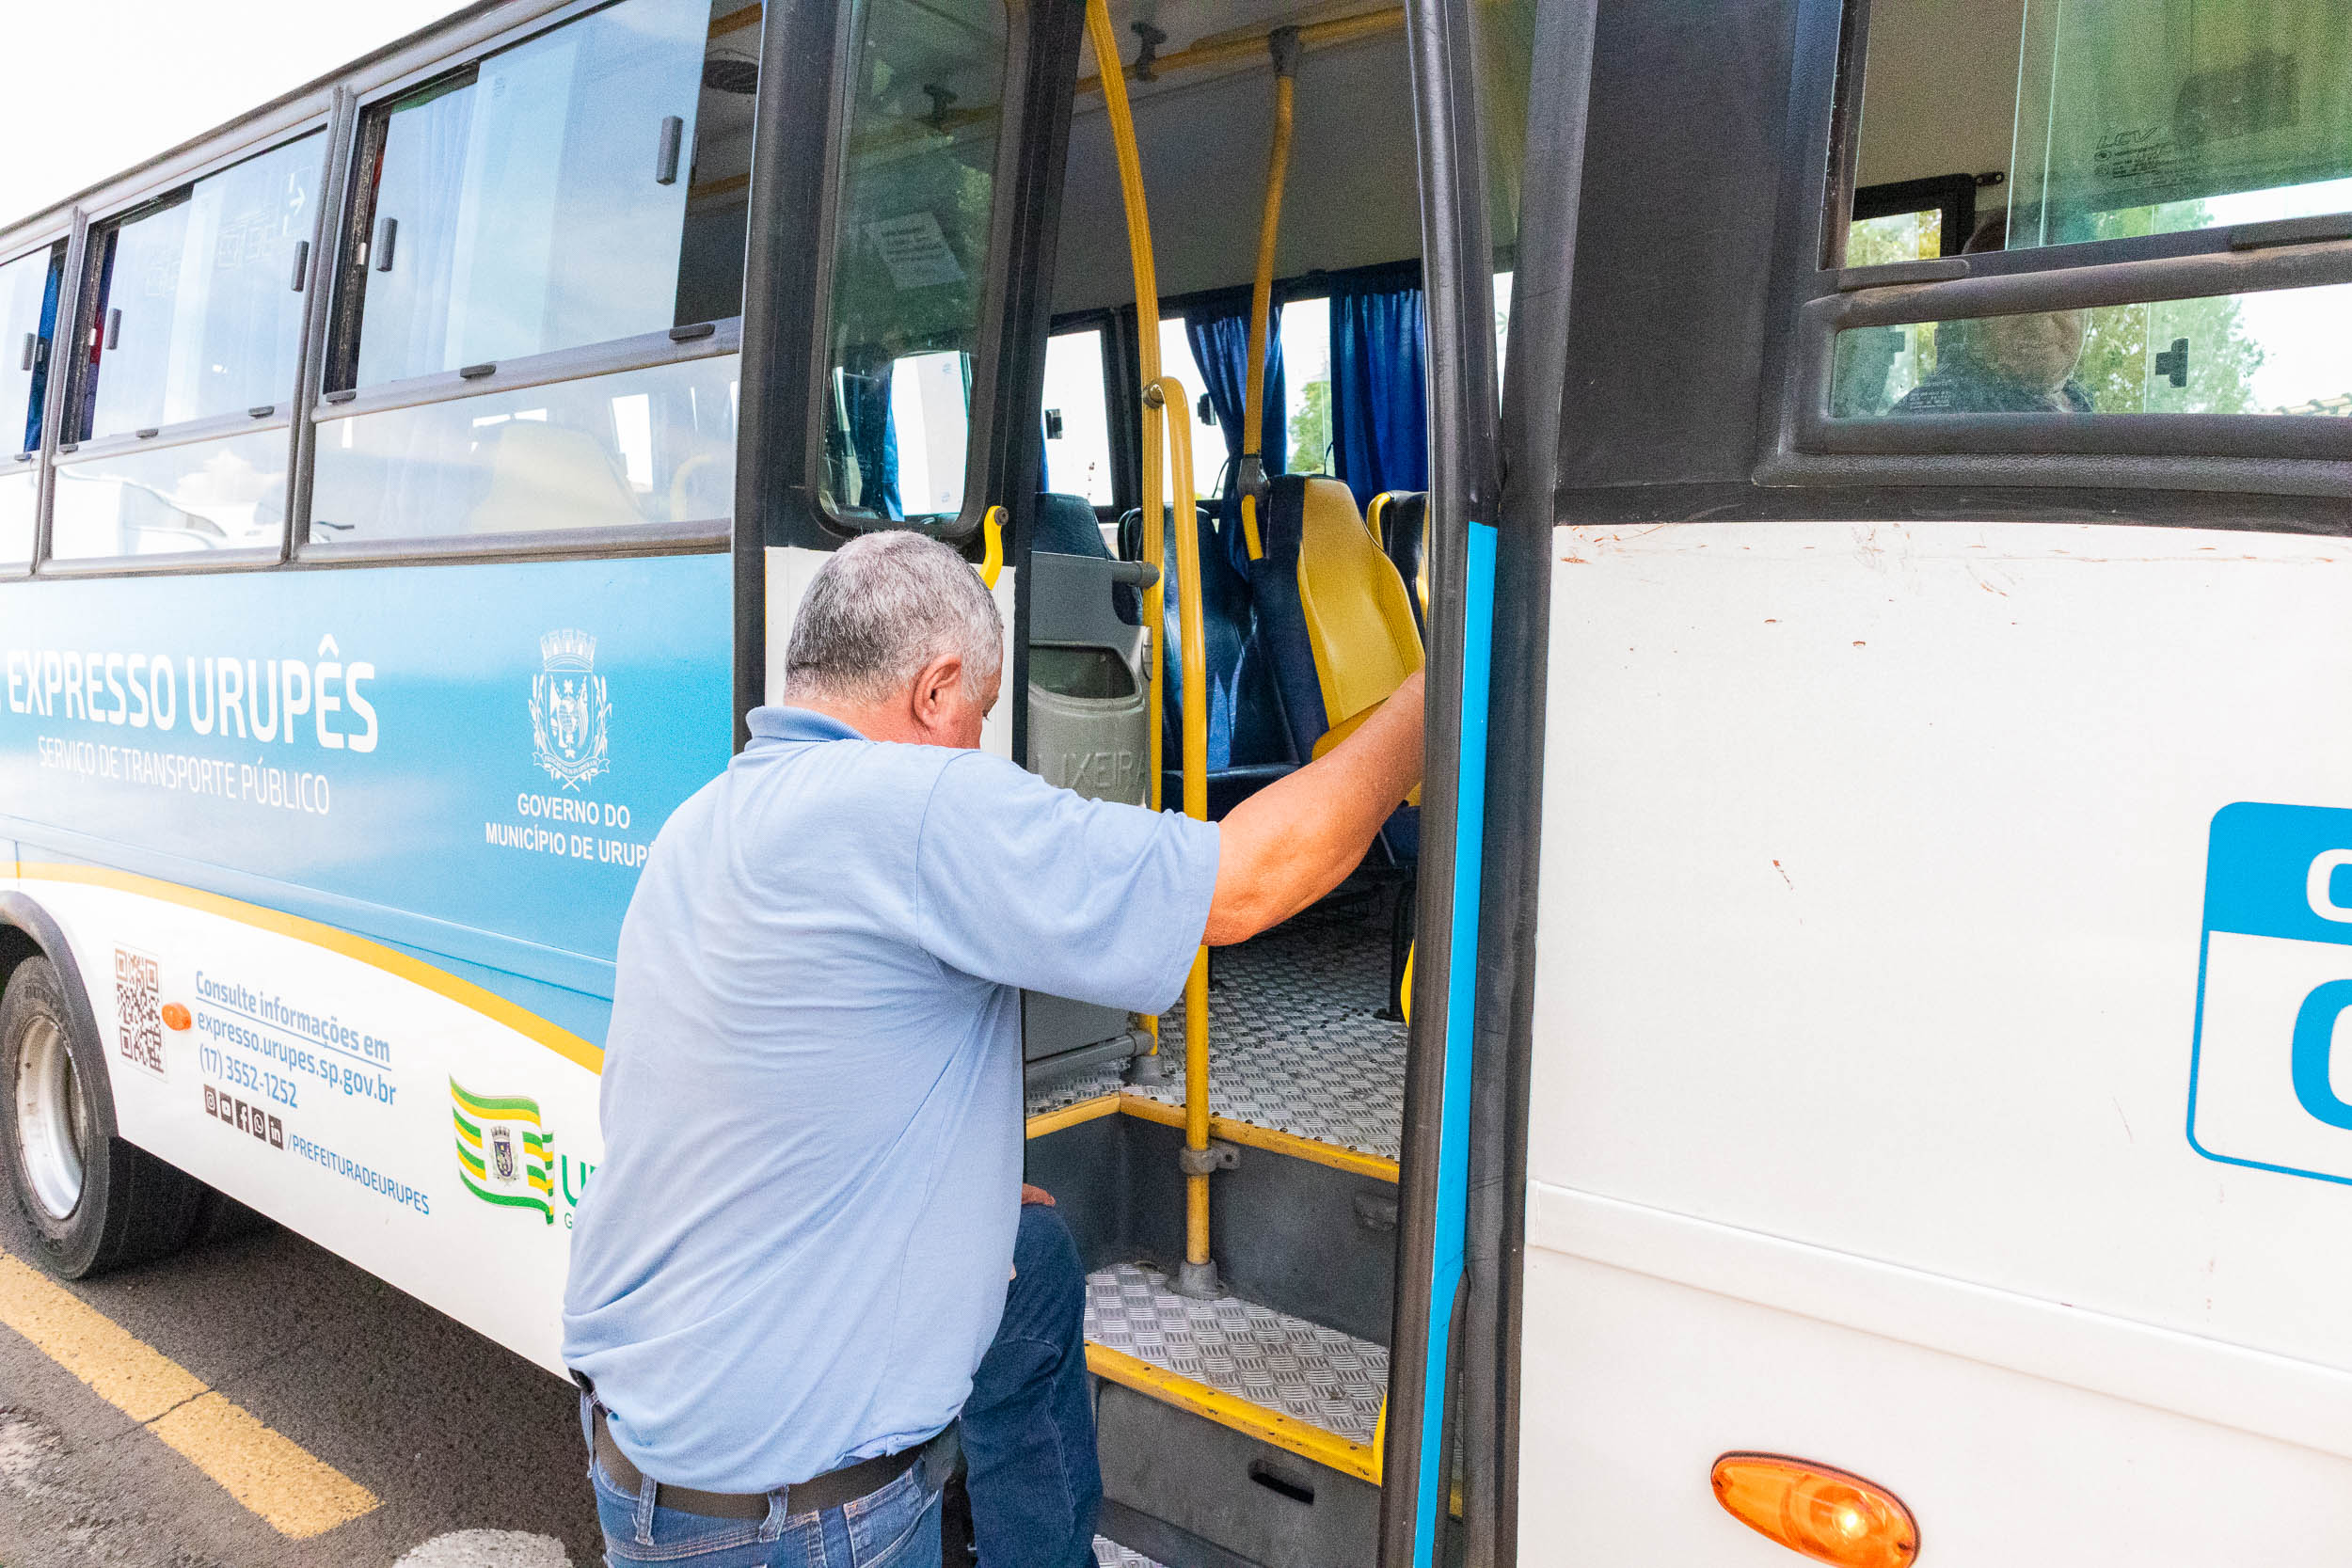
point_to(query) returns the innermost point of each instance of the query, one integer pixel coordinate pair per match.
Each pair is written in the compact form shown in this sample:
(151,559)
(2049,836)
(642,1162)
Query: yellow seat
(1332,613)
(546,476)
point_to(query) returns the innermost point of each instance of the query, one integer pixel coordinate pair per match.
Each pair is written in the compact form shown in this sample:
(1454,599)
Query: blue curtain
(40,390)
(874,440)
(1220,336)
(1379,411)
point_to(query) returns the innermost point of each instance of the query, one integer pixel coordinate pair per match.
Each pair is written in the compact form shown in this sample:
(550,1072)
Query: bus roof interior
(1352,199)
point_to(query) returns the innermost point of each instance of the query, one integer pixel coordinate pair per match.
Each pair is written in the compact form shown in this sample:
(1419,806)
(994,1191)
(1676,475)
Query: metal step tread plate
(1295,1040)
(1311,1389)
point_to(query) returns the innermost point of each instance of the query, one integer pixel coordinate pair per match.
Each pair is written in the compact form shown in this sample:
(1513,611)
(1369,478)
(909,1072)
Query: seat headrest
(1067,526)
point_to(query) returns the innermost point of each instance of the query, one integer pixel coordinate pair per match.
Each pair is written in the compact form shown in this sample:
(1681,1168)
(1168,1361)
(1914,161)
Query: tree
(1310,430)
(2118,369)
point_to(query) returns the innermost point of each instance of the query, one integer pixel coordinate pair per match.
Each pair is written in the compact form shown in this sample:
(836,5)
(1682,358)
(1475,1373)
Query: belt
(813,1496)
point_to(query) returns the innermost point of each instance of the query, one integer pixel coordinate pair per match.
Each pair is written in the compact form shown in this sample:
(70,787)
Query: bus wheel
(93,1201)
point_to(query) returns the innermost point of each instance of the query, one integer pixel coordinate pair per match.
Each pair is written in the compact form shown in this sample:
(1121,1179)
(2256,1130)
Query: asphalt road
(452,1434)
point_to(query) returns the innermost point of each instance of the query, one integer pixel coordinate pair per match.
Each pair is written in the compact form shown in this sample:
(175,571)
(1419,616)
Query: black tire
(130,1207)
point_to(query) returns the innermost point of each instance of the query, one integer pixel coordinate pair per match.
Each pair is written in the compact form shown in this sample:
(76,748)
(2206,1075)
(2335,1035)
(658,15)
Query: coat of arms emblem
(505,1154)
(569,713)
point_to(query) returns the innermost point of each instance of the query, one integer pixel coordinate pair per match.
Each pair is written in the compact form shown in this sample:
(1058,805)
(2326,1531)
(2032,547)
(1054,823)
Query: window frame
(334,350)
(1846,128)
(84,257)
(1116,324)
(2282,454)
(1954,196)
(53,401)
(991,460)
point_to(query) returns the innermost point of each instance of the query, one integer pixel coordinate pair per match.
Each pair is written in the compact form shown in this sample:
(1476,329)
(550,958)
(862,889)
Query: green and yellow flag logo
(503,1155)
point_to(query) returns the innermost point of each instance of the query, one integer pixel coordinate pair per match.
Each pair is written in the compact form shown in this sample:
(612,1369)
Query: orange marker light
(1827,1514)
(176,1016)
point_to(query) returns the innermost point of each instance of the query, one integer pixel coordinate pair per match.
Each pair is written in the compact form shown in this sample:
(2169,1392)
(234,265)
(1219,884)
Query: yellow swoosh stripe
(335,940)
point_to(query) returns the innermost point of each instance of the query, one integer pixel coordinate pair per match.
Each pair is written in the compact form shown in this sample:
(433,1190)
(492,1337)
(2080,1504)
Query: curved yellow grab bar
(993,547)
(1284,41)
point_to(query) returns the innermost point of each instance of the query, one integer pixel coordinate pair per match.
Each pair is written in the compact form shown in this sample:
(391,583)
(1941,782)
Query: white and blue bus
(1840,1063)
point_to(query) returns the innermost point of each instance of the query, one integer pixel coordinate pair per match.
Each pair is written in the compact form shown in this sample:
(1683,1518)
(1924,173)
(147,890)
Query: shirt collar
(799,723)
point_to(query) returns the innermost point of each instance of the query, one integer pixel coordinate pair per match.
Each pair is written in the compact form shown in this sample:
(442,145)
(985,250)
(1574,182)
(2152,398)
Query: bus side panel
(349,936)
(430,1144)
(1633,1385)
(488,747)
(1874,927)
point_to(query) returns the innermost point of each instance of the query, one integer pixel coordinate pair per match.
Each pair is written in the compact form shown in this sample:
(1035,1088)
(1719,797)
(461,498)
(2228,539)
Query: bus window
(1502,322)
(652,445)
(28,306)
(1914,236)
(1077,418)
(537,201)
(582,189)
(224,494)
(2110,121)
(1306,331)
(918,186)
(196,317)
(2273,352)
(1208,442)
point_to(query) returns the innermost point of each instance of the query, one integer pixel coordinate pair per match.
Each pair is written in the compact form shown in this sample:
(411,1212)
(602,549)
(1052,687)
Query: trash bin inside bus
(1088,713)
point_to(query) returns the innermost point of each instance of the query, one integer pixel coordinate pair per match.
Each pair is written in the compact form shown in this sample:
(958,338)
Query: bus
(1840,1061)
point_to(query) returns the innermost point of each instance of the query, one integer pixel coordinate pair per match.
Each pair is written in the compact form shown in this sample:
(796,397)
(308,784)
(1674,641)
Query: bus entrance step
(1300,1385)
(1296,1042)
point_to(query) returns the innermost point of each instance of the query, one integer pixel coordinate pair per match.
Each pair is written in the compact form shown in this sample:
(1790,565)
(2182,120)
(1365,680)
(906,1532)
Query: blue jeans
(1028,1425)
(1028,1445)
(895,1525)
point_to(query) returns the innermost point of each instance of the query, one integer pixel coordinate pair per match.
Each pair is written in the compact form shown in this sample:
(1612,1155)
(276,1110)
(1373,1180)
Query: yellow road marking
(269,1473)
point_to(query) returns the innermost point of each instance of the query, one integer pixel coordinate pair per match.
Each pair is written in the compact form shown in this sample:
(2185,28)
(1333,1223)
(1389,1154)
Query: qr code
(139,1008)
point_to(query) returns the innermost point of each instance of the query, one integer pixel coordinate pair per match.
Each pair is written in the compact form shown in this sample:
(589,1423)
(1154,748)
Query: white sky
(96,85)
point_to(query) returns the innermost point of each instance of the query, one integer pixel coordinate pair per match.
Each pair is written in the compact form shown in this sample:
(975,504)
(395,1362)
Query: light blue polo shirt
(795,1249)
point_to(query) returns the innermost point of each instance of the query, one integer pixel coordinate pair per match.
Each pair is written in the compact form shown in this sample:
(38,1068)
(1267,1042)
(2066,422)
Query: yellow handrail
(1199,1276)
(1114,84)
(1122,125)
(1231,50)
(1284,43)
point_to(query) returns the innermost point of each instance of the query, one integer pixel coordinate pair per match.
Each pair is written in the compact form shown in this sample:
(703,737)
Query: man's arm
(1298,838)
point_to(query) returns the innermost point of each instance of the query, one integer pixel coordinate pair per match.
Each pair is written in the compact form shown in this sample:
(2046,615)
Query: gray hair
(884,606)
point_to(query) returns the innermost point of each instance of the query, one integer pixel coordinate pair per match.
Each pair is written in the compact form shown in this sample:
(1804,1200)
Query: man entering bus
(805,1269)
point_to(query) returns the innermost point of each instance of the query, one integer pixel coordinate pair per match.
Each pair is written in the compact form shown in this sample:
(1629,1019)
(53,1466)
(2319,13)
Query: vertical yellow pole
(1164,399)
(1285,45)
(1122,126)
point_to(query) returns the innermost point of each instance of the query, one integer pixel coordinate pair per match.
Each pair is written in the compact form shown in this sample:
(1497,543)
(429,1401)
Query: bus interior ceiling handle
(301,265)
(673,143)
(386,231)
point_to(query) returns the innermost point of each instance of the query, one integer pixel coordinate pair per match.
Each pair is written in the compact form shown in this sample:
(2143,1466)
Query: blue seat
(1248,743)
(1336,623)
(1067,525)
(1400,520)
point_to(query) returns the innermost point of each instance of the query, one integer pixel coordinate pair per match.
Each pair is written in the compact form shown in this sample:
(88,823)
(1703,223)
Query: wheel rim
(52,1119)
